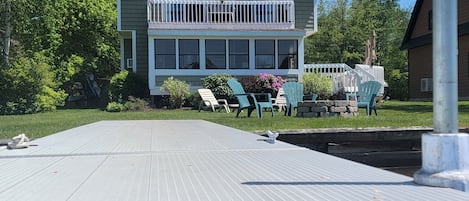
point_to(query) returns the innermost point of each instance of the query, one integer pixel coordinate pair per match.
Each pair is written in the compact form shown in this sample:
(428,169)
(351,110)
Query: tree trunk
(7,33)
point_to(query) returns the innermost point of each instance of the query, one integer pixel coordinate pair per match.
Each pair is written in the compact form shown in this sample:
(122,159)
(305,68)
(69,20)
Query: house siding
(463,7)
(304,14)
(421,25)
(134,17)
(420,56)
(463,60)
(419,67)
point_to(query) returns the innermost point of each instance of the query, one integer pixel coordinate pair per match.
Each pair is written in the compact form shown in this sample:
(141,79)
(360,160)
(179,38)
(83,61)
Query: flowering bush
(262,83)
(269,81)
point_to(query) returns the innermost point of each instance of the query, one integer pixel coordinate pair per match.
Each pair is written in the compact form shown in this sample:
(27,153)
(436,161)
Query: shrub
(29,86)
(269,81)
(398,85)
(315,83)
(178,91)
(250,85)
(135,104)
(48,99)
(194,100)
(125,84)
(262,83)
(114,107)
(218,84)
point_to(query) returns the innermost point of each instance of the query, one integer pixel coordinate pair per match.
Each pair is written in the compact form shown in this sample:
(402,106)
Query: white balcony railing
(219,14)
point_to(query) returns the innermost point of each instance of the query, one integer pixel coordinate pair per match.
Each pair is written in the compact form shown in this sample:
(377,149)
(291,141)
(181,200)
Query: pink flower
(270,81)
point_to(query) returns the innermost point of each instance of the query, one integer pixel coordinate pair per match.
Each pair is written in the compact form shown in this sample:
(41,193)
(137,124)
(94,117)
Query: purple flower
(269,81)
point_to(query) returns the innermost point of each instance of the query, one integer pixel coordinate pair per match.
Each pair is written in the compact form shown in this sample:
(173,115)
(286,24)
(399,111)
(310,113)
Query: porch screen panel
(265,54)
(215,51)
(165,54)
(239,54)
(288,54)
(188,54)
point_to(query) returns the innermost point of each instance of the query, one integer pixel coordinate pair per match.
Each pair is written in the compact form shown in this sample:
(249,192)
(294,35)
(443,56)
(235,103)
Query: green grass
(390,114)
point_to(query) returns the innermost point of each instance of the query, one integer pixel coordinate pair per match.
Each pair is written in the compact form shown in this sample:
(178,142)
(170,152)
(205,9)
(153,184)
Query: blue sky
(407,3)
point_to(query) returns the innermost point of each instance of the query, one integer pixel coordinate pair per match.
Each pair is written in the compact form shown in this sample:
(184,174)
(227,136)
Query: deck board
(191,160)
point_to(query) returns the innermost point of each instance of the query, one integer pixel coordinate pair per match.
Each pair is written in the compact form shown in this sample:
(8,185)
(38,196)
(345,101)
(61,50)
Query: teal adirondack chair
(243,99)
(366,95)
(294,93)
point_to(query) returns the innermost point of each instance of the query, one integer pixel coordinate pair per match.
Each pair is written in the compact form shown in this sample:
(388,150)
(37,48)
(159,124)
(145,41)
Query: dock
(191,160)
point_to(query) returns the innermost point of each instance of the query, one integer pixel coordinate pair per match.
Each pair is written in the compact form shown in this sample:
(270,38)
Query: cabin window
(188,54)
(165,54)
(265,54)
(239,54)
(215,57)
(288,54)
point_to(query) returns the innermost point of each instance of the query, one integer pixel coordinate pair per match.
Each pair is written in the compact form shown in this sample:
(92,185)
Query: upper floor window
(239,54)
(265,54)
(189,54)
(288,54)
(215,56)
(165,54)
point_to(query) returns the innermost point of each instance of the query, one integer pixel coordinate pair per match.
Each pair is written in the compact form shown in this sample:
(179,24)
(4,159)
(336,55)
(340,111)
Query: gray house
(191,39)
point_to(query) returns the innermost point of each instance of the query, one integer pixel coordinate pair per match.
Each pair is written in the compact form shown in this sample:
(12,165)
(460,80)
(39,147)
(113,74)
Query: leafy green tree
(28,87)
(327,45)
(85,29)
(73,37)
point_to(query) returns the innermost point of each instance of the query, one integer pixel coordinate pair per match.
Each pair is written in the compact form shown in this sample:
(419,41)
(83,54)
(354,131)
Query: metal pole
(444,152)
(445,66)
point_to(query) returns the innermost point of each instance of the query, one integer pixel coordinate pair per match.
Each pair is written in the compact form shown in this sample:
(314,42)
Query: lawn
(390,114)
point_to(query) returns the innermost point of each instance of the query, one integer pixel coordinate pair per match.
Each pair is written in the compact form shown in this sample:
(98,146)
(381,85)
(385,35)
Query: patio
(191,160)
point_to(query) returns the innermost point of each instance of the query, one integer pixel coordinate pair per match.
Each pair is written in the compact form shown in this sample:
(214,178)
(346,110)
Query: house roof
(408,42)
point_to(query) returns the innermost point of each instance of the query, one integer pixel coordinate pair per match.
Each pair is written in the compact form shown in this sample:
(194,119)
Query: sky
(407,3)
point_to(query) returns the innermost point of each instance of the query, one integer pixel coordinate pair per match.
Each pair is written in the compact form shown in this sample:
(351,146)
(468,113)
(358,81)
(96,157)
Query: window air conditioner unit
(130,63)
(426,85)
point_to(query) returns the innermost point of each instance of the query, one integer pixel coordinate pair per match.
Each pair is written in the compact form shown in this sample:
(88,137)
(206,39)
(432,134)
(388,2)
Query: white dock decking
(191,160)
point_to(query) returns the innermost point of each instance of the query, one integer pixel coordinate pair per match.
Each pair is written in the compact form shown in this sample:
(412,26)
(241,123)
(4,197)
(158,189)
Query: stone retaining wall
(327,108)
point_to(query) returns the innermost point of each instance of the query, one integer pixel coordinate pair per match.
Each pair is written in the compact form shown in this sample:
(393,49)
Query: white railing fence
(347,78)
(368,73)
(193,12)
(342,75)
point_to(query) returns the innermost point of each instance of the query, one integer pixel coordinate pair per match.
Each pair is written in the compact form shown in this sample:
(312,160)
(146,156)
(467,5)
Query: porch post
(445,152)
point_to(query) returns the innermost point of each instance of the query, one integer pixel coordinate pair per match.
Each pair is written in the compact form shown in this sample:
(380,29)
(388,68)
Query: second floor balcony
(219,14)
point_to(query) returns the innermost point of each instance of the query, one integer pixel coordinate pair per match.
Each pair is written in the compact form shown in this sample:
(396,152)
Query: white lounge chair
(209,101)
(280,101)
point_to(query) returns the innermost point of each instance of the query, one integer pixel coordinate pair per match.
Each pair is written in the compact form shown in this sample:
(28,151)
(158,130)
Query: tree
(71,37)
(68,29)
(6,19)
(344,26)
(327,45)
